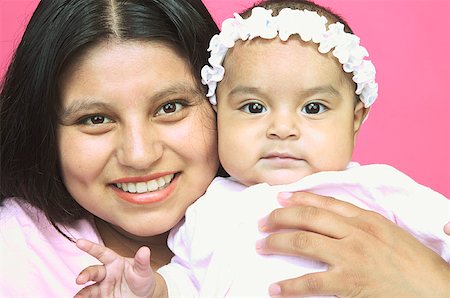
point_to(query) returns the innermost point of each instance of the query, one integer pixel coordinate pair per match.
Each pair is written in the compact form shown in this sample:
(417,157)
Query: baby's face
(284,111)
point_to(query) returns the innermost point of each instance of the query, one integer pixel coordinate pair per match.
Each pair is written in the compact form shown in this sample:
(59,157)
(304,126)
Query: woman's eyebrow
(90,104)
(80,106)
(178,88)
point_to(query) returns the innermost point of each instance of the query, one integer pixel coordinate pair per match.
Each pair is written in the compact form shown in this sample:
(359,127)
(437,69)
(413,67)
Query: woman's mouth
(146,186)
(145,191)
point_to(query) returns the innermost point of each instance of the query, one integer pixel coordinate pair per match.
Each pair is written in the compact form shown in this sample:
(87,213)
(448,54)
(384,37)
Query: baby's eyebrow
(325,89)
(308,92)
(244,89)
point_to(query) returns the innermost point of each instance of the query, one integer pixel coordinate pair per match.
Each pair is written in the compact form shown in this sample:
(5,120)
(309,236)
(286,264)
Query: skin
(126,117)
(281,119)
(447,228)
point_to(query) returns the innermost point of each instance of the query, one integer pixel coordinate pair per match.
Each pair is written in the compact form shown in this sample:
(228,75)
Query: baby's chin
(284,176)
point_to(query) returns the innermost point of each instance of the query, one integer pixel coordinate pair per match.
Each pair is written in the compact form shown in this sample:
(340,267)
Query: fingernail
(259,244)
(284,195)
(283,198)
(262,224)
(274,290)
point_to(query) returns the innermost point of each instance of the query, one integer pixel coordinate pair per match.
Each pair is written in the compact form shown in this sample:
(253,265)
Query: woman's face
(137,139)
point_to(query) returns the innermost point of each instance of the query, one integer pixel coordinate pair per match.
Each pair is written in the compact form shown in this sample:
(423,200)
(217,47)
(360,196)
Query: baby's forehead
(266,51)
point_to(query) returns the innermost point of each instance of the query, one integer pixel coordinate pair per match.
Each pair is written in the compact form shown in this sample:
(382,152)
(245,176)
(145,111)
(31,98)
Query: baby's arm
(119,276)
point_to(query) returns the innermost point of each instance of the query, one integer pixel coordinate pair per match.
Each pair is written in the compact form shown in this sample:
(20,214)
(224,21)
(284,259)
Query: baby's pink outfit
(215,252)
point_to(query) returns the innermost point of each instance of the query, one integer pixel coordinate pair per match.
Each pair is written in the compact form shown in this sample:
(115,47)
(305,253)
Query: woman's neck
(127,246)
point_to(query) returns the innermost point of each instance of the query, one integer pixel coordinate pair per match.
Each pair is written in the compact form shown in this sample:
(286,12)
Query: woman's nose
(139,147)
(283,126)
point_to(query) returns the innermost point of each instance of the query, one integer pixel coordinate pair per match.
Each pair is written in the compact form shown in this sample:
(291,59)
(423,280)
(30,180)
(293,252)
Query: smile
(146,186)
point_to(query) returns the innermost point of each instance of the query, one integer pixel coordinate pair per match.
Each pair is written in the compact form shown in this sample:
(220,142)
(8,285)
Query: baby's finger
(89,292)
(100,252)
(94,273)
(142,262)
(447,228)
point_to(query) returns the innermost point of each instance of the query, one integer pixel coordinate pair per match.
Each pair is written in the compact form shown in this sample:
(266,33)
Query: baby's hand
(447,228)
(118,276)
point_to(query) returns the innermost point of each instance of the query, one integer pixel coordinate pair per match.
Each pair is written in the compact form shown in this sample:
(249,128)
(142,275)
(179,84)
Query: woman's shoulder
(17,216)
(20,216)
(14,206)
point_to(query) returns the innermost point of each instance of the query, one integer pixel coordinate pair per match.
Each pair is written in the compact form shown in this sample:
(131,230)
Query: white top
(35,259)
(215,252)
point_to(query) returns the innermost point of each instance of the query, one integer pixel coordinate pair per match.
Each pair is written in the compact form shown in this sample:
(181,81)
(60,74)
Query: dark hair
(57,34)
(277,5)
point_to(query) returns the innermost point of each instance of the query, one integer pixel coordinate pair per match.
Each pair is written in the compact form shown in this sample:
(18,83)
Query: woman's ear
(360,114)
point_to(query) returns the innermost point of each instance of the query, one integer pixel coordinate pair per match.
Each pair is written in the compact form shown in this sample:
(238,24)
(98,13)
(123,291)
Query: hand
(368,255)
(447,228)
(118,276)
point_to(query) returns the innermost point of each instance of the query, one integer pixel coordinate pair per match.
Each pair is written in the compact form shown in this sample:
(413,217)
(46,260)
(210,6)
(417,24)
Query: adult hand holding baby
(368,255)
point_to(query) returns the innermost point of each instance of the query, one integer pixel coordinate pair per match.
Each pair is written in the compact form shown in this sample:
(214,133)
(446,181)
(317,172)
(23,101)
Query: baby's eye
(314,108)
(169,108)
(96,120)
(253,108)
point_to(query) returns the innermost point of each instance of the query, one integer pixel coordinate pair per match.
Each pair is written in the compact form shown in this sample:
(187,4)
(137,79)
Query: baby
(291,88)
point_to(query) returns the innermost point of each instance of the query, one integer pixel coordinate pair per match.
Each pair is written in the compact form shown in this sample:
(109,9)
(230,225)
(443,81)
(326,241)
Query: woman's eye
(314,108)
(254,108)
(95,120)
(169,108)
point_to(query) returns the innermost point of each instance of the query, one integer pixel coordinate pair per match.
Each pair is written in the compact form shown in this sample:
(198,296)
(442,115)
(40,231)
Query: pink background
(409,43)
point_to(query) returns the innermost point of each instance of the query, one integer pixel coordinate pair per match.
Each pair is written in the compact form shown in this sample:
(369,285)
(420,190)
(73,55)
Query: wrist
(160,287)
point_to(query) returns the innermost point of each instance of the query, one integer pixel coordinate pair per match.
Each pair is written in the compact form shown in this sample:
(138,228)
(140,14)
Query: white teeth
(141,187)
(131,187)
(152,185)
(160,182)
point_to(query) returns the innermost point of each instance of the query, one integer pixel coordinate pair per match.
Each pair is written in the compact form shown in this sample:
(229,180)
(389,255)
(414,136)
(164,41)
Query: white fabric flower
(286,24)
(309,26)
(261,24)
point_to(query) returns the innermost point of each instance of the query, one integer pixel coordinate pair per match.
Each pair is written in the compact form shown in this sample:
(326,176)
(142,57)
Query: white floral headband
(309,25)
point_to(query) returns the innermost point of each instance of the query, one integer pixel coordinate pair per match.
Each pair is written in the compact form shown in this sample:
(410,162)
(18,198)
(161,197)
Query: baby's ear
(360,115)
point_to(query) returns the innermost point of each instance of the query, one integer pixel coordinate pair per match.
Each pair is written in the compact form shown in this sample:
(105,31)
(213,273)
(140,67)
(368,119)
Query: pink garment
(215,252)
(35,259)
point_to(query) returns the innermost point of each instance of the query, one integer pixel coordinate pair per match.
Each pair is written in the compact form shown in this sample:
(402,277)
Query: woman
(106,133)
